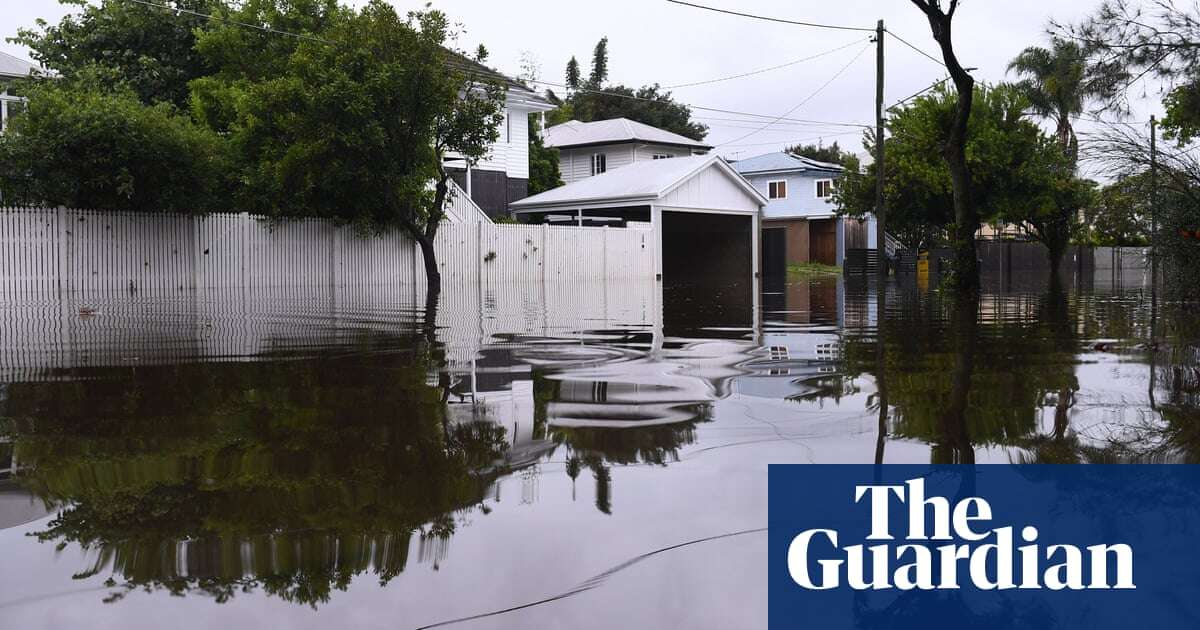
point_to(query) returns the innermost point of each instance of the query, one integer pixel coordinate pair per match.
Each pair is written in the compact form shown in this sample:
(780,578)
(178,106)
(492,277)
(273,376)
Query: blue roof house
(799,224)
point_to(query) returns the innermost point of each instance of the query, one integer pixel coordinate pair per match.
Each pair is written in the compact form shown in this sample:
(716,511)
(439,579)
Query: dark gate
(774,252)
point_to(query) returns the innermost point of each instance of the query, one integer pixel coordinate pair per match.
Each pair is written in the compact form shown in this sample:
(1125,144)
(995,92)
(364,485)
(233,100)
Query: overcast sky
(656,41)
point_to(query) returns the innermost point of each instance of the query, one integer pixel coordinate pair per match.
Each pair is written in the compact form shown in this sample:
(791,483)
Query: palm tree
(1060,81)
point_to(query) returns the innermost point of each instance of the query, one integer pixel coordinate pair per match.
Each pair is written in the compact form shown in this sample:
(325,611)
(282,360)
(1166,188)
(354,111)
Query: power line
(268,29)
(771,19)
(914,47)
(701,107)
(452,63)
(762,70)
(806,99)
(218,18)
(793,140)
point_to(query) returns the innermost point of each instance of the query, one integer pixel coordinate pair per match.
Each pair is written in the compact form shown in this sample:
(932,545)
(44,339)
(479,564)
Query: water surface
(584,457)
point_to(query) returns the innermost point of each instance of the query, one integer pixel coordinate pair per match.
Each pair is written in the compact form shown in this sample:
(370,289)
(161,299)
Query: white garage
(704,217)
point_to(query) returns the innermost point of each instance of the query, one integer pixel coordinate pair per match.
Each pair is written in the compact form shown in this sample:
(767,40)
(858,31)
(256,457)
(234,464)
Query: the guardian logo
(986,558)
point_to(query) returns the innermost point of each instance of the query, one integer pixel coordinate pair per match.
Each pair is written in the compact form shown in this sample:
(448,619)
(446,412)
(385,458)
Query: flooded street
(590,460)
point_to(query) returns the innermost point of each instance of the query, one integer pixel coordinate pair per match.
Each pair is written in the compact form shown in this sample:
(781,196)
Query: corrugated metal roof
(781,161)
(575,133)
(12,67)
(648,179)
(528,94)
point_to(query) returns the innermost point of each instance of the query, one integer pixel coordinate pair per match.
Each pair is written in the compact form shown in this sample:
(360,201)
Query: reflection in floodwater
(503,429)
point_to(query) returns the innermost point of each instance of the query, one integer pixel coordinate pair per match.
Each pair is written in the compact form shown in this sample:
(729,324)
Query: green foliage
(833,154)
(293,459)
(595,101)
(1182,122)
(1018,175)
(353,127)
(572,78)
(1061,80)
(599,64)
(1120,214)
(148,48)
(543,161)
(86,142)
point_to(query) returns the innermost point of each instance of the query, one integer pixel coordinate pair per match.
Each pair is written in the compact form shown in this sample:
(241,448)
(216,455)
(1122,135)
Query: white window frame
(776,183)
(817,188)
(661,156)
(599,163)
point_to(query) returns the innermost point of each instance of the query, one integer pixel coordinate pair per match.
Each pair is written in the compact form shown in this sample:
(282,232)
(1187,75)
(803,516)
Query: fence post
(196,253)
(545,254)
(60,247)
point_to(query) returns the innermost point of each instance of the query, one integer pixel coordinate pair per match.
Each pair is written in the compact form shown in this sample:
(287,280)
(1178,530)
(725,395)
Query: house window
(824,188)
(661,156)
(777,190)
(508,128)
(599,163)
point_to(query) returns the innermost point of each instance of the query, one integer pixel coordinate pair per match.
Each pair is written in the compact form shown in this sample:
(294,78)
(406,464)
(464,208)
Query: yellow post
(923,271)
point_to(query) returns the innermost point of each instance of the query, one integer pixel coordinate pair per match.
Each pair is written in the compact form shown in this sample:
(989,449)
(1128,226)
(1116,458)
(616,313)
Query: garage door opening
(708,269)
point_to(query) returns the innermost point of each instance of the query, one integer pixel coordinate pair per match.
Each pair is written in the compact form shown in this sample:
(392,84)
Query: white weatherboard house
(11,68)
(591,148)
(799,222)
(701,215)
(502,176)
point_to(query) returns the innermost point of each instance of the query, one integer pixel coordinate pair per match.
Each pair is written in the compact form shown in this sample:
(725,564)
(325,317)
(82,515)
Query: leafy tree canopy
(832,154)
(150,49)
(1016,170)
(88,141)
(1156,39)
(1120,213)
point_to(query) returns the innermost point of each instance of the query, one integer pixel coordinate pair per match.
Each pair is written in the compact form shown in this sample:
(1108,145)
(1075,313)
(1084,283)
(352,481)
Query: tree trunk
(1056,253)
(424,236)
(966,219)
(433,277)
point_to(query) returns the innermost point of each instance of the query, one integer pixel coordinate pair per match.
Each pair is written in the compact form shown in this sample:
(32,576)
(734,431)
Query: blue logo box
(995,546)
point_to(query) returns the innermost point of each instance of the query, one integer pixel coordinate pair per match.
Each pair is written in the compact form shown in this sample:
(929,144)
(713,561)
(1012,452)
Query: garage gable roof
(642,181)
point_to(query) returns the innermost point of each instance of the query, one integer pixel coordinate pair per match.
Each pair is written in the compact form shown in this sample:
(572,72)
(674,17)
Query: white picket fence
(82,288)
(87,252)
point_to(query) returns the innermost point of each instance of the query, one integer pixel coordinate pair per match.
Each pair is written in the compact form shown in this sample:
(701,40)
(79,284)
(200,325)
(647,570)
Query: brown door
(823,241)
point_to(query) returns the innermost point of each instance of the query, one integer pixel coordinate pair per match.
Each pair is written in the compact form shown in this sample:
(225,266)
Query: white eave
(636,184)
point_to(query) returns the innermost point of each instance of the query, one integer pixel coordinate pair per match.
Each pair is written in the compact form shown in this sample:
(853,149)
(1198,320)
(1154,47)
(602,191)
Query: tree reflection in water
(290,476)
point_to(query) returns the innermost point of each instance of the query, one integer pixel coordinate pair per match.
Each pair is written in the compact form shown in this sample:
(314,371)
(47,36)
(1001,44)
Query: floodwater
(537,462)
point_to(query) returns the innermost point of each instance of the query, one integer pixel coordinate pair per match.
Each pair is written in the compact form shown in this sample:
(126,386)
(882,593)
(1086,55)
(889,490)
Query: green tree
(832,154)
(1016,171)
(593,101)
(1120,213)
(647,104)
(599,64)
(88,141)
(150,49)
(355,125)
(1159,39)
(543,161)
(966,215)
(1060,81)
(573,74)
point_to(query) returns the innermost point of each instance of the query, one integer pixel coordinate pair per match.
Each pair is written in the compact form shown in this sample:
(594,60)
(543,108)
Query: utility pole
(1153,253)
(1153,201)
(880,213)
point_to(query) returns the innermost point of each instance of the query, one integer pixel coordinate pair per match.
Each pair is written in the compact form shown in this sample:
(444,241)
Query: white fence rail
(87,252)
(81,288)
